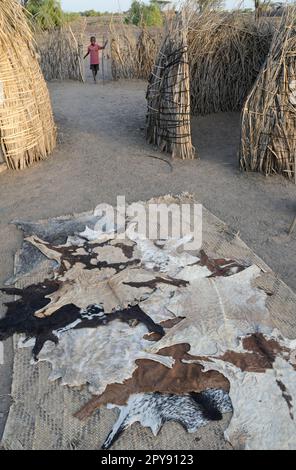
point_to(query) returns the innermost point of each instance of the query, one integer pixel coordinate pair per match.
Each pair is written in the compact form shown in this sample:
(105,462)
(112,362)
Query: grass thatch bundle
(168,96)
(27,129)
(61,56)
(226,52)
(268,140)
(133,51)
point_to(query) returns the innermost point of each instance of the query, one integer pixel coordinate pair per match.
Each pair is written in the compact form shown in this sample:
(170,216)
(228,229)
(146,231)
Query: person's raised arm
(104,46)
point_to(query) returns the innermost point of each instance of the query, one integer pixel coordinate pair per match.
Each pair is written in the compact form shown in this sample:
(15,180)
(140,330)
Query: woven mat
(41,416)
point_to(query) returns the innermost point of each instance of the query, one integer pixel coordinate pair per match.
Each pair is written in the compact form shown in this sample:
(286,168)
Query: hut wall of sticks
(133,51)
(226,52)
(268,136)
(61,54)
(236,61)
(27,129)
(168,95)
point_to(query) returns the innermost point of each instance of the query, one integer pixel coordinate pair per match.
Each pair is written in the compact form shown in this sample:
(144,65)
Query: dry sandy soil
(102,153)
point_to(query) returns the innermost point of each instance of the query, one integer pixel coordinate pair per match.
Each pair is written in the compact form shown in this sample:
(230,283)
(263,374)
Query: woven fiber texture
(27,128)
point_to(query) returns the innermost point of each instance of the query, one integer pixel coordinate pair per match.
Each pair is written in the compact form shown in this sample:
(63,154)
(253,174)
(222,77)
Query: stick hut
(168,96)
(27,129)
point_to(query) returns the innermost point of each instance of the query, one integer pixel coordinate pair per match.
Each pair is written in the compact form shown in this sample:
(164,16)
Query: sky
(121,5)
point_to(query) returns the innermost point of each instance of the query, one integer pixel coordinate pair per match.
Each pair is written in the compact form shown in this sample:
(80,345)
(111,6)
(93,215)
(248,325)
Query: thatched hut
(27,129)
(168,95)
(235,62)
(268,139)
(226,53)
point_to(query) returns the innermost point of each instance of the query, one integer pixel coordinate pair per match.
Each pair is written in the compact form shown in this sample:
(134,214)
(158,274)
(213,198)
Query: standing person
(93,51)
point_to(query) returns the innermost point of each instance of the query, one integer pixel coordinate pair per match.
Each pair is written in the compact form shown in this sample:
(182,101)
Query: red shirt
(94,53)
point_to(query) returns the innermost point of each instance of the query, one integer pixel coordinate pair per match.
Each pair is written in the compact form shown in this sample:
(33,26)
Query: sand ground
(102,153)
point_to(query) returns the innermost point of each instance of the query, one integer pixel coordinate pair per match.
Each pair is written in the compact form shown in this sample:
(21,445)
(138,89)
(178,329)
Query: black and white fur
(154,409)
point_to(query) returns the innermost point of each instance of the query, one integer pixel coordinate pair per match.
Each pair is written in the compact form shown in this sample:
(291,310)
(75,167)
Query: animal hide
(21,317)
(98,356)
(209,327)
(228,324)
(153,410)
(151,376)
(87,276)
(101,273)
(263,402)
(217,312)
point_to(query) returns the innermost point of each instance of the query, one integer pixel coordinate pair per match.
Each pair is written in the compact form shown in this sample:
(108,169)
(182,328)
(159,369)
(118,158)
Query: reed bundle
(168,96)
(60,55)
(226,52)
(133,52)
(268,136)
(27,128)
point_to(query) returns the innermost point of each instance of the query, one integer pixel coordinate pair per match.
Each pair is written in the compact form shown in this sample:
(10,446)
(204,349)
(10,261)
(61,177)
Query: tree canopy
(141,14)
(46,13)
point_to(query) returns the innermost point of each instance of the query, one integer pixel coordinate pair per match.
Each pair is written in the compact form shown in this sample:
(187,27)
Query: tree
(90,13)
(46,13)
(141,14)
(209,4)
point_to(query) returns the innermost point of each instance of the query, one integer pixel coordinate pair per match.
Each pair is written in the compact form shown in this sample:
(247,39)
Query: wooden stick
(103,62)
(293,225)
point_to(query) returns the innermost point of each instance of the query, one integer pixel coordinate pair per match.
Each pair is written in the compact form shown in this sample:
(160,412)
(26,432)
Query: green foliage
(71,16)
(90,13)
(246,10)
(141,14)
(47,14)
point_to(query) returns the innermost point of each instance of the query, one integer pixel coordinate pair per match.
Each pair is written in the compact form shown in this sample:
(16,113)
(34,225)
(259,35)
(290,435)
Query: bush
(71,16)
(47,14)
(141,14)
(90,13)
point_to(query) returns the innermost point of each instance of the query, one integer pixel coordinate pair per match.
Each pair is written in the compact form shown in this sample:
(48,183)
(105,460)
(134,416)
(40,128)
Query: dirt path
(102,153)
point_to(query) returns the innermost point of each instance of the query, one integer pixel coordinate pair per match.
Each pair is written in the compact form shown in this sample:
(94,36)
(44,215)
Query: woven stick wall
(268,139)
(27,128)
(133,52)
(61,55)
(226,52)
(168,96)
